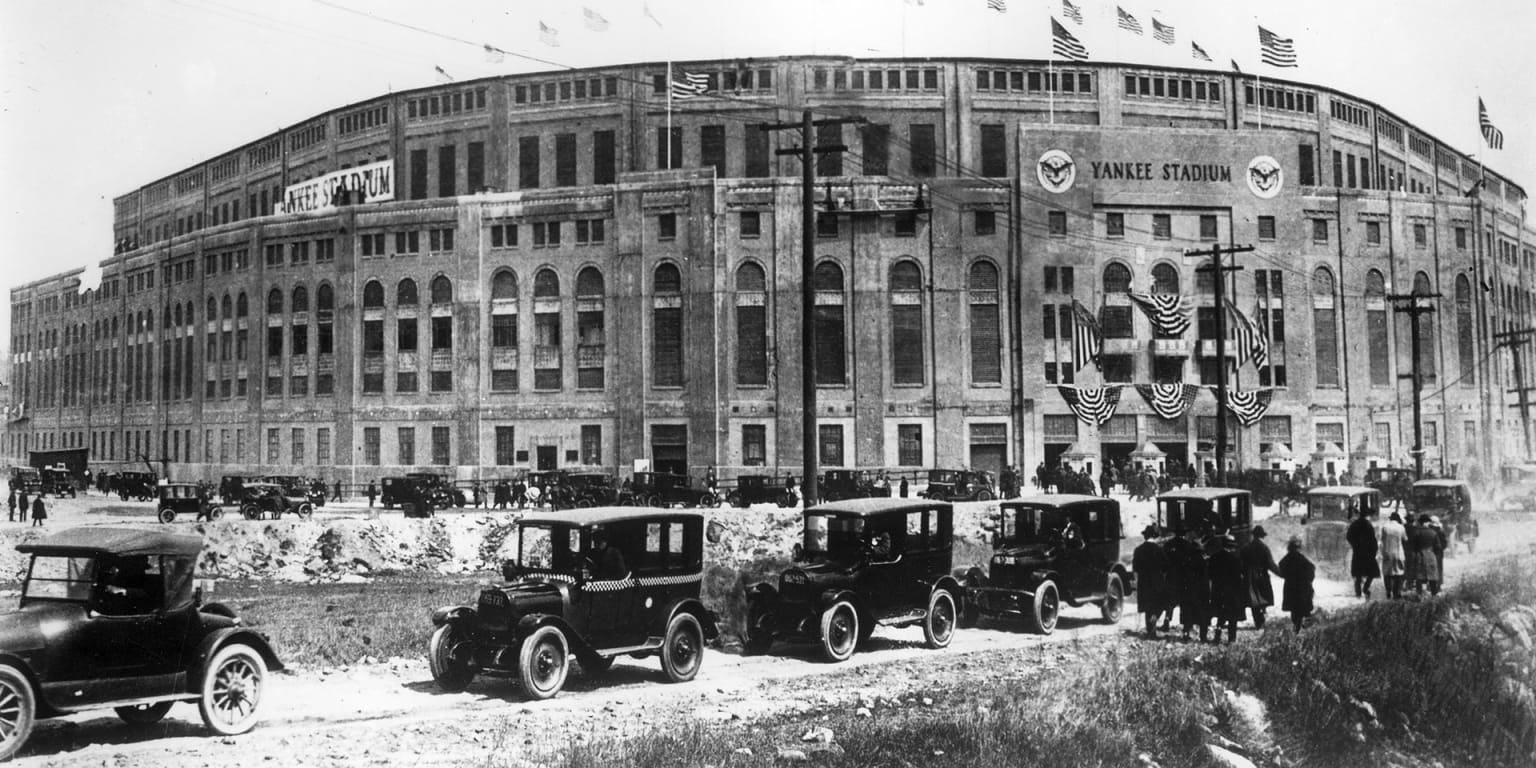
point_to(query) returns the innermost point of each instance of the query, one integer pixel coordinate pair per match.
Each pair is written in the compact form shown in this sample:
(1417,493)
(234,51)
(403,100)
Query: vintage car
(259,501)
(27,479)
(1271,485)
(109,619)
(434,489)
(960,485)
(761,489)
(230,487)
(862,562)
(293,485)
(1394,483)
(1330,510)
(838,484)
(660,489)
(595,583)
(592,489)
(1050,549)
(1519,488)
(186,499)
(57,481)
(1451,501)
(138,486)
(1207,511)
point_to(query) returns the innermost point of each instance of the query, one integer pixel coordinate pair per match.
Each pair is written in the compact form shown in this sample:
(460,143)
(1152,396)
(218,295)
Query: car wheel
(939,623)
(759,634)
(734,499)
(709,500)
(682,652)
(1047,606)
(167,514)
(1114,600)
(449,673)
(305,511)
(983,495)
(144,714)
(839,631)
(216,513)
(250,512)
(543,663)
(654,500)
(18,710)
(232,688)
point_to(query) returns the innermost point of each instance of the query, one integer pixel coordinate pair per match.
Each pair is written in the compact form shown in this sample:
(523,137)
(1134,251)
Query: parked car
(1330,510)
(186,499)
(1394,483)
(762,489)
(57,481)
(837,484)
(231,486)
(592,489)
(1207,511)
(960,485)
(862,562)
(109,619)
(1050,549)
(138,486)
(293,485)
(1451,501)
(259,501)
(26,479)
(1271,485)
(636,593)
(660,489)
(433,489)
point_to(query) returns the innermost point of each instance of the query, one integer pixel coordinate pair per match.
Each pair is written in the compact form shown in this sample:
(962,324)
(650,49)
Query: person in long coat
(1298,572)
(1425,566)
(1393,564)
(1258,564)
(1150,563)
(12,503)
(1229,593)
(39,511)
(1187,560)
(1363,567)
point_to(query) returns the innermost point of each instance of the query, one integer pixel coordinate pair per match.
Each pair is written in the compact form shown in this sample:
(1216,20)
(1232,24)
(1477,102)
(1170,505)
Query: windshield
(1328,507)
(942,476)
(828,537)
(59,578)
(549,548)
(1434,495)
(1030,525)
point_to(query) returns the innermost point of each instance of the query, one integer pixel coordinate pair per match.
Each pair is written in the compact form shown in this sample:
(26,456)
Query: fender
(44,707)
(452,614)
(220,639)
(527,625)
(830,597)
(951,584)
(763,592)
(692,605)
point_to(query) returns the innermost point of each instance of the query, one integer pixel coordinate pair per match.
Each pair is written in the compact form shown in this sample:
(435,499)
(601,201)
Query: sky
(99,97)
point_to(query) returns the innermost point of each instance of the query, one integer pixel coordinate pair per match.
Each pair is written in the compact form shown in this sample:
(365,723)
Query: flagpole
(1050,84)
(667,139)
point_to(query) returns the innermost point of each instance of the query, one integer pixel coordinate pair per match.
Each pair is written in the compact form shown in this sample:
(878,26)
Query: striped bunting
(1169,312)
(1275,50)
(1170,401)
(1087,341)
(1251,340)
(1249,405)
(1091,405)
(1127,22)
(1066,46)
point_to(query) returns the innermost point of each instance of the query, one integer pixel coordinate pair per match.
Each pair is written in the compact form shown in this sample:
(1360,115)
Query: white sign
(370,183)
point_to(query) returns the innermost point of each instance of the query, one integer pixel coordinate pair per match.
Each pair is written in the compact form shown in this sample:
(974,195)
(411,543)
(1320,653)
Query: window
(755,152)
(442,333)
(1165,278)
(272,447)
(1378,341)
(1373,233)
(986,222)
(406,445)
(829,444)
(1306,172)
(371,446)
(669,154)
(994,151)
(826,225)
(1114,224)
(297,447)
(604,157)
(405,334)
(667,337)
(474,169)
(589,231)
(876,139)
(1056,223)
(754,445)
(1266,227)
(447,171)
(831,356)
(1117,278)
(1420,235)
(909,445)
(439,240)
(590,330)
(751,326)
(666,226)
(418,174)
(1467,356)
(565,159)
(506,447)
(591,444)
(985,325)
(373,337)
(546,331)
(1461,238)
(440,446)
(528,162)
(924,150)
(829,163)
(503,235)
(408,242)
(1319,230)
(750,224)
(1325,329)
(907,348)
(1162,226)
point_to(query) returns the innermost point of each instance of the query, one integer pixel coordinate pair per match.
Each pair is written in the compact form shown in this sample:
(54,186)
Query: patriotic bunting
(1249,405)
(1170,401)
(1169,312)
(1087,341)
(1163,32)
(1252,342)
(1091,405)
(686,85)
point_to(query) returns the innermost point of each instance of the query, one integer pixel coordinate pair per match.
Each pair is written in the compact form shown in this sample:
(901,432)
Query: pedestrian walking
(519,493)
(502,494)
(23,504)
(1187,560)
(904,487)
(373,493)
(12,502)
(1258,564)
(1106,481)
(1229,590)
(1423,566)
(1363,567)
(1393,563)
(1298,572)
(1442,543)
(336,491)
(1150,564)
(479,494)
(39,511)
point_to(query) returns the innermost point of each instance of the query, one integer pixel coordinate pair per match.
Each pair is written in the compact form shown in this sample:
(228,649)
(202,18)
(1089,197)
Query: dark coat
(39,511)
(1194,586)
(1298,573)
(1229,590)
(1150,563)
(1361,536)
(1258,564)
(1426,544)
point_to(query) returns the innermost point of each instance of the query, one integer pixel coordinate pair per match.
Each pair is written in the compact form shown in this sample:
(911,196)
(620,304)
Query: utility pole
(1218,272)
(807,152)
(1517,342)
(1412,304)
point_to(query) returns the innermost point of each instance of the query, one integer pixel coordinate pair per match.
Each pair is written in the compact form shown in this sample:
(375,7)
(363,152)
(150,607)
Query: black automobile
(760,489)
(293,485)
(109,619)
(592,489)
(1048,550)
(1207,511)
(660,489)
(595,583)
(433,489)
(177,499)
(138,486)
(260,501)
(839,484)
(1451,501)
(27,479)
(1330,509)
(1394,483)
(231,486)
(1271,485)
(960,485)
(862,562)
(57,482)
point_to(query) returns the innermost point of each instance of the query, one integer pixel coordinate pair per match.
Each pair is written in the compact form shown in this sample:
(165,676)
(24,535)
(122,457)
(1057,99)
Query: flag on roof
(686,85)
(1071,11)
(1491,133)
(594,20)
(1066,46)
(1198,52)
(447,78)
(1127,21)
(494,55)
(1236,68)
(1162,32)
(998,5)
(549,35)
(1275,50)
(646,7)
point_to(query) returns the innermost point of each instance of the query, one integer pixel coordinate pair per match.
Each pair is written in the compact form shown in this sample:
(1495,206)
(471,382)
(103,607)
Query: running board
(903,619)
(650,644)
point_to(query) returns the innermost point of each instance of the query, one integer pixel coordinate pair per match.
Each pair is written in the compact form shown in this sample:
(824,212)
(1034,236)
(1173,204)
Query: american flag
(1491,133)
(998,5)
(549,35)
(1128,21)
(1071,11)
(1086,339)
(1198,52)
(443,73)
(1275,50)
(1251,340)
(686,85)
(1162,32)
(594,20)
(1066,46)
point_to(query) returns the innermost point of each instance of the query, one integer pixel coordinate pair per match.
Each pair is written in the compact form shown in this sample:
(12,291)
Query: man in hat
(1363,567)
(1187,561)
(1258,564)
(1393,563)
(1298,572)
(606,561)
(1229,592)
(1150,564)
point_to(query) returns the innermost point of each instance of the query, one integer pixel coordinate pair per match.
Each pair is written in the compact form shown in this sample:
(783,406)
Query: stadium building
(580,269)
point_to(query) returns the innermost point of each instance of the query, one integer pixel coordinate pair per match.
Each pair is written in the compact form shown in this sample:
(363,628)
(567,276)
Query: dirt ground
(390,712)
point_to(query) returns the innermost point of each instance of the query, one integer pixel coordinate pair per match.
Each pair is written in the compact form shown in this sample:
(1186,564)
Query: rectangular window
(1162,226)
(1461,238)
(667,347)
(1373,233)
(830,444)
(1420,235)
(666,226)
(909,445)
(418,174)
(474,167)
(924,150)
(604,158)
(1114,224)
(406,446)
(1305,171)
(994,151)
(442,333)
(1338,168)
(297,447)
(712,148)
(528,162)
(323,446)
(447,171)
(272,447)
(371,442)
(1320,230)
(591,444)
(565,159)
(754,445)
(1208,227)
(1057,223)
(669,154)
(755,153)
(750,224)
(440,446)
(876,140)
(405,334)
(1266,227)
(506,447)
(407,382)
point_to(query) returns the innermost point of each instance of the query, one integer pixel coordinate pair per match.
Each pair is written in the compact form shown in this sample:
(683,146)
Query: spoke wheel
(1114,600)
(18,711)
(683,650)
(167,515)
(839,631)
(306,511)
(450,674)
(232,689)
(543,663)
(939,624)
(144,714)
(1047,606)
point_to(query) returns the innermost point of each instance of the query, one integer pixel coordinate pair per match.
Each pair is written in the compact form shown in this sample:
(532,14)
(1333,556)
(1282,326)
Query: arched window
(504,331)
(300,299)
(275,302)
(228,307)
(907,346)
(1117,278)
(986,326)
(325,300)
(165,321)
(373,295)
(546,284)
(547,351)
(442,290)
(442,321)
(178,315)
(504,285)
(751,326)
(1427,335)
(213,309)
(1165,278)
(1466,345)
(1325,328)
(1376,329)
(667,327)
(590,332)
(242,306)
(831,346)
(405,293)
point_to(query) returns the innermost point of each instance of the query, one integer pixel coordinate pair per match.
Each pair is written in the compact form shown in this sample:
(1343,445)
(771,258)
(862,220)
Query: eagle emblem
(1056,170)
(1265,177)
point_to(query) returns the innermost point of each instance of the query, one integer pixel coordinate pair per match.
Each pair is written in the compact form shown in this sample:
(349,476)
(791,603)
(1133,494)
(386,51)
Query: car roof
(1059,500)
(1204,494)
(100,539)
(605,515)
(1440,482)
(1340,490)
(875,506)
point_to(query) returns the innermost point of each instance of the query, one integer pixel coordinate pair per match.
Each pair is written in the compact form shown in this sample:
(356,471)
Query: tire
(1046,609)
(839,631)
(144,714)
(232,689)
(759,635)
(682,652)
(709,500)
(250,512)
(215,513)
(18,710)
(735,500)
(450,675)
(1113,606)
(305,511)
(167,515)
(543,663)
(939,623)
(654,500)
(983,495)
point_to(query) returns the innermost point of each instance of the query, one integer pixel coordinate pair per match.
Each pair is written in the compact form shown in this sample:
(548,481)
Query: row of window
(1277,98)
(566,90)
(458,102)
(1182,88)
(1033,81)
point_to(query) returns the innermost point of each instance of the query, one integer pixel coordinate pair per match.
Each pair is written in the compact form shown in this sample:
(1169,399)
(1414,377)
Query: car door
(128,641)
(611,604)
